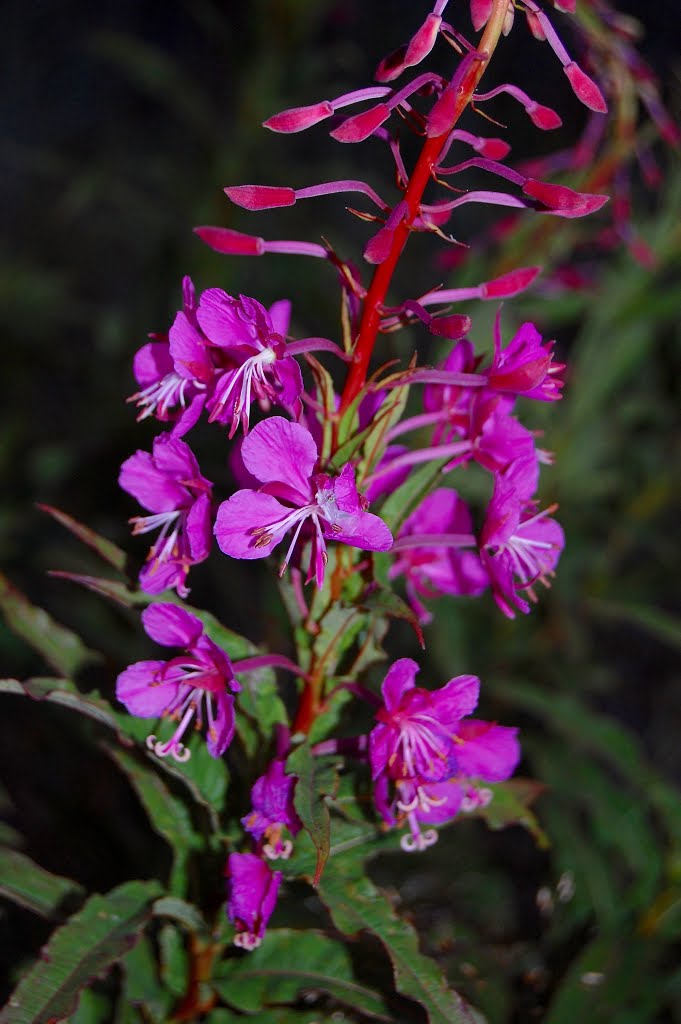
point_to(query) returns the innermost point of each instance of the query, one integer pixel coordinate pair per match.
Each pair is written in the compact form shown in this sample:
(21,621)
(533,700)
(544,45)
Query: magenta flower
(194,685)
(253,891)
(168,483)
(416,734)
(423,749)
(171,388)
(519,546)
(441,567)
(486,752)
(525,366)
(273,811)
(250,344)
(283,456)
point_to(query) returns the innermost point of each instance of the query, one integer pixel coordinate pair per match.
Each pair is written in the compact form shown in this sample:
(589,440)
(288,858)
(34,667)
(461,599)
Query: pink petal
(398,681)
(188,349)
(457,698)
(199,528)
(151,363)
(490,752)
(141,478)
(170,625)
(362,530)
(240,515)
(277,450)
(134,689)
(220,735)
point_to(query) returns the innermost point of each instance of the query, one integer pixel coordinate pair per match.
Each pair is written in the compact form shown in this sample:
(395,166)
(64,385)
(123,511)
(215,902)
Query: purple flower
(283,456)
(250,346)
(518,545)
(416,734)
(172,382)
(273,811)
(253,891)
(441,567)
(193,685)
(168,483)
(486,752)
(525,366)
(425,760)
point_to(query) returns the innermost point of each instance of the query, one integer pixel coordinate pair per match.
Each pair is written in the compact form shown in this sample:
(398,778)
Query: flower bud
(261,197)
(233,243)
(297,119)
(585,89)
(360,126)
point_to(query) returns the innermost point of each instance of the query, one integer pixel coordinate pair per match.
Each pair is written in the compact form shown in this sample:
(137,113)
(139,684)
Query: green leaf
(174,962)
(106,550)
(167,815)
(86,946)
(184,913)
(385,602)
(141,984)
(290,963)
(26,883)
(65,693)
(510,805)
(315,780)
(356,904)
(62,649)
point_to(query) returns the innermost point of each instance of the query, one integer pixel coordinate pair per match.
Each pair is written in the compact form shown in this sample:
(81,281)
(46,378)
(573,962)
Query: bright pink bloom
(194,686)
(253,891)
(273,811)
(519,546)
(525,366)
(248,342)
(168,483)
(431,571)
(169,389)
(283,457)
(423,749)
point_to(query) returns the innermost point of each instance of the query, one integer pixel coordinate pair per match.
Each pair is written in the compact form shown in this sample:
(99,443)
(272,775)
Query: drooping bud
(392,66)
(563,201)
(360,126)
(585,89)
(480,12)
(423,41)
(233,243)
(507,285)
(297,119)
(261,197)
(543,117)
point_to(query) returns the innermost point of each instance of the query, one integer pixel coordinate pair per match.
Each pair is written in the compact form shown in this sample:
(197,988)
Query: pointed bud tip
(297,119)
(508,285)
(232,243)
(544,117)
(392,66)
(360,126)
(563,201)
(260,197)
(585,89)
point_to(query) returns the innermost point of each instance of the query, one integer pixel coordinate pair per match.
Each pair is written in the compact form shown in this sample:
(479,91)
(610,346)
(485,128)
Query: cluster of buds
(310,461)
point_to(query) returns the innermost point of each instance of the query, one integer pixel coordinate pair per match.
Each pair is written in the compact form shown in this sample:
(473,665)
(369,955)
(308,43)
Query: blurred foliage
(121,132)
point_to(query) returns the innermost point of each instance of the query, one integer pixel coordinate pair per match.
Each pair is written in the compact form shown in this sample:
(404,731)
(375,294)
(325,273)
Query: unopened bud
(585,89)
(480,12)
(392,66)
(423,41)
(297,119)
(563,201)
(543,117)
(261,197)
(360,126)
(507,285)
(233,243)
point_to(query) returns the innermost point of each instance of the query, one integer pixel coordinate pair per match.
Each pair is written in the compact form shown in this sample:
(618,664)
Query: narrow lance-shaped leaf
(81,950)
(61,648)
(315,780)
(168,815)
(31,886)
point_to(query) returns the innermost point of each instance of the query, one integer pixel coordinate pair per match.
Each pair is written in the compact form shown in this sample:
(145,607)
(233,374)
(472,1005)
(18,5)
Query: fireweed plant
(346,466)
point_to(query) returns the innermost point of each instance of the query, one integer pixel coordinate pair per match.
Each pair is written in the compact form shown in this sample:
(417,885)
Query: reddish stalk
(421,175)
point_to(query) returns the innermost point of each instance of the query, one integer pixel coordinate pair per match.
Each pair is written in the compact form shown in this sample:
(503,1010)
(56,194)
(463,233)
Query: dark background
(121,123)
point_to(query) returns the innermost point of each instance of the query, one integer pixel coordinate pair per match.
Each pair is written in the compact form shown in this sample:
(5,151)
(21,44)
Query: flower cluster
(427,763)
(310,459)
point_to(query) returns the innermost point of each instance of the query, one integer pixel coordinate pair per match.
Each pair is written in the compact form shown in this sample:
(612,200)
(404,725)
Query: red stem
(421,175)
